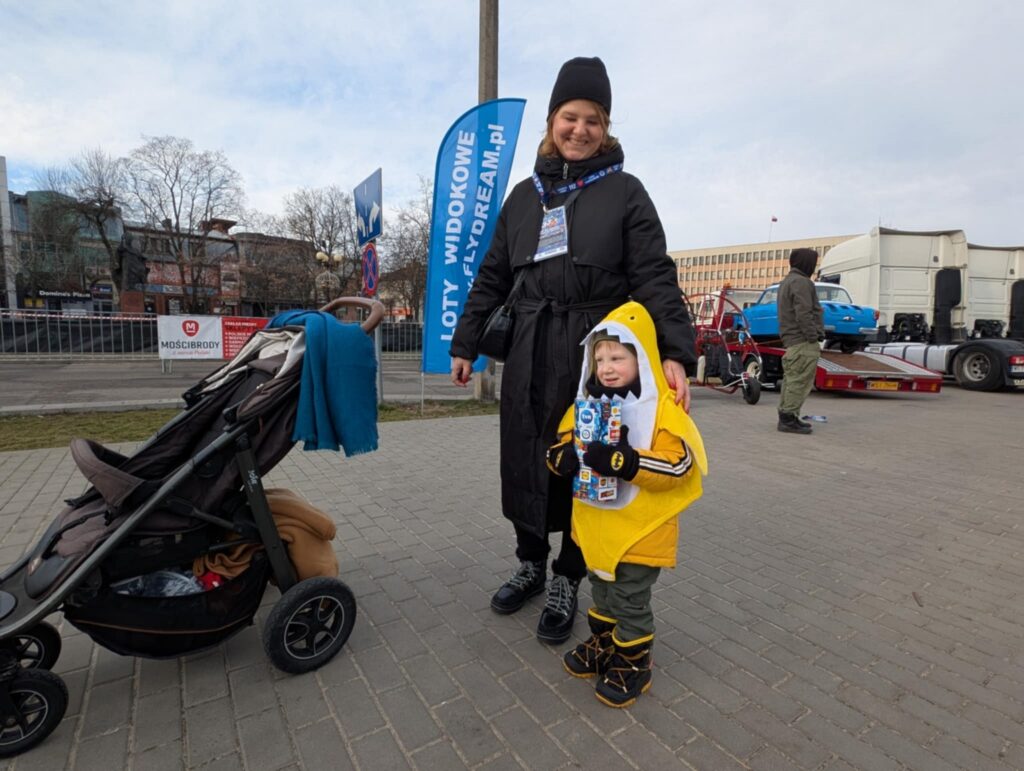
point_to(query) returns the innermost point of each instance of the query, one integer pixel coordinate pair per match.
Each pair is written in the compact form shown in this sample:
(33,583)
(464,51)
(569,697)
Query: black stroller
(192,490)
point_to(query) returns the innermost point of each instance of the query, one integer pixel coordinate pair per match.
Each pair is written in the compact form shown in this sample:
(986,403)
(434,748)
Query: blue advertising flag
(473,167)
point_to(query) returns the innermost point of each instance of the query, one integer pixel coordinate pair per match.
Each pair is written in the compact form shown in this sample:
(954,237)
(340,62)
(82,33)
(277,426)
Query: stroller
(192,491)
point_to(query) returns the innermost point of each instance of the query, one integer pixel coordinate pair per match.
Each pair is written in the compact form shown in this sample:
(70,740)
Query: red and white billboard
(205,337)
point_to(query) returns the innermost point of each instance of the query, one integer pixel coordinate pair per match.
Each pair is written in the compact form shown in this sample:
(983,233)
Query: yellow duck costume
(641,525)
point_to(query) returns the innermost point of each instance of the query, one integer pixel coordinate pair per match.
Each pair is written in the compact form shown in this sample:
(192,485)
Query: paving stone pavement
(847,600)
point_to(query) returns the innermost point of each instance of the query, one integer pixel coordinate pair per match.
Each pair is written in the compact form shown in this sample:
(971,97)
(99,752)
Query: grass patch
(32,432)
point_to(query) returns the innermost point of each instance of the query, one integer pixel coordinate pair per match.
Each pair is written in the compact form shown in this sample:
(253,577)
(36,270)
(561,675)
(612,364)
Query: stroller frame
(307,626)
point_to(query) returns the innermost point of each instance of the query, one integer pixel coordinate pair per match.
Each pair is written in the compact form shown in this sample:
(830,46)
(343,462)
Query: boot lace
(594,652)
(526,575)
(621,671)
(561,594)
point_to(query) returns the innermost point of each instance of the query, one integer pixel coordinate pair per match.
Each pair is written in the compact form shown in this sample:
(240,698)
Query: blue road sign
(368,208)
(370,269)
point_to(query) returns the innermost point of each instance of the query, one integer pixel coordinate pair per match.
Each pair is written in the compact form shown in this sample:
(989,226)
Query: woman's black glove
(613,460)
(562,459)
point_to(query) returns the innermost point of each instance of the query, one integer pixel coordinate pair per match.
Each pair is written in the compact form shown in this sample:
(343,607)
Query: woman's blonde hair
(547,144)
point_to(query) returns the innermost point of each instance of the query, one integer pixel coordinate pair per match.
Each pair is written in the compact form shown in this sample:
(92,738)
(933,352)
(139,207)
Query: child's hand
(613,460)
(562,459)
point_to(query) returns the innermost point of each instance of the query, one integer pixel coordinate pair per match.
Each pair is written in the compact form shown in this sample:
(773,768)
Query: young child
(659,461)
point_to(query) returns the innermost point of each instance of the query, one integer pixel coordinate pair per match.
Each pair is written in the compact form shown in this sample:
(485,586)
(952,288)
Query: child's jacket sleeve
(665,464)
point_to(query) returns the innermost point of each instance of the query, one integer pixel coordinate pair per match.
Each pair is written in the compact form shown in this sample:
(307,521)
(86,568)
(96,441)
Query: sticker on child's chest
(554,235)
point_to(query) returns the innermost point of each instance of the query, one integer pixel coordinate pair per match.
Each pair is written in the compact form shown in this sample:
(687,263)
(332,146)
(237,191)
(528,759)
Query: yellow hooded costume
(641,525)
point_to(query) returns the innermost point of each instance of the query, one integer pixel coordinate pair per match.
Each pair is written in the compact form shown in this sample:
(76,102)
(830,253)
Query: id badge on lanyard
(554,235)
(553,239)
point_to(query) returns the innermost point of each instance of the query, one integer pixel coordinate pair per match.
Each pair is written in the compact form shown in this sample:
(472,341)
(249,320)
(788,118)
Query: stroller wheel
(39,700)
(309,625)
(37,648)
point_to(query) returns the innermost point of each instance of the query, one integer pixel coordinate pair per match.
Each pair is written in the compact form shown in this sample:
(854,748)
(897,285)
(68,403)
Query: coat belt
(560,344)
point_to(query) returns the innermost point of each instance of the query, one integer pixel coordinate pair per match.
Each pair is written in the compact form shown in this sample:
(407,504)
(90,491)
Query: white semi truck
(943,303)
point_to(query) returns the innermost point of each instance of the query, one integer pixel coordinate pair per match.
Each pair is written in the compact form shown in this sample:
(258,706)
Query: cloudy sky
(832,116)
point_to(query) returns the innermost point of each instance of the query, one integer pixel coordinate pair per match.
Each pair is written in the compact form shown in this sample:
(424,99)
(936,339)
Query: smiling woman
(576,239)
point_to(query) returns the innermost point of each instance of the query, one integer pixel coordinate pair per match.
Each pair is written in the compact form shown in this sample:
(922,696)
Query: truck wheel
(978,370)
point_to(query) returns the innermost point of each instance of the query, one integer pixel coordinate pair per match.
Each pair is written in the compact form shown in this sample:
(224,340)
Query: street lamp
(328,283)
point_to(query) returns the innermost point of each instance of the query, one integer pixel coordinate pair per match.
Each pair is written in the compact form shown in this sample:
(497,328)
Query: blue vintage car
(847,326)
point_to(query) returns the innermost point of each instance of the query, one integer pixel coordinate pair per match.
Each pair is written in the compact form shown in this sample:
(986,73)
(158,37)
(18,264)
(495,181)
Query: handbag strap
(520,276)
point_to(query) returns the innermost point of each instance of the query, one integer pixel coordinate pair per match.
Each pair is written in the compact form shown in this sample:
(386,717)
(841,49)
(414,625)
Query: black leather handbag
(496,337)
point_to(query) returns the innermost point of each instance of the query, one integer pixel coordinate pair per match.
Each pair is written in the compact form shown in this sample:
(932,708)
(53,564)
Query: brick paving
(848,600)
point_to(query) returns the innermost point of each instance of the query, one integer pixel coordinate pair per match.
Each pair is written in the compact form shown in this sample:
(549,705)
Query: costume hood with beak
(607,530)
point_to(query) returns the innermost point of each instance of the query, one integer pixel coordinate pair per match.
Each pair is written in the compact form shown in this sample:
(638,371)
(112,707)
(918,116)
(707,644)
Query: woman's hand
(462,371)
(675,374)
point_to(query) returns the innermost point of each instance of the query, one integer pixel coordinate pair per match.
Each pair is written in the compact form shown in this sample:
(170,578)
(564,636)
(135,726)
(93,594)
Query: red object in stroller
(727,356)
(194,489)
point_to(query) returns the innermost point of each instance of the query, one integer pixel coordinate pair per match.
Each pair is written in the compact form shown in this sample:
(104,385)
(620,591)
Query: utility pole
(484,386)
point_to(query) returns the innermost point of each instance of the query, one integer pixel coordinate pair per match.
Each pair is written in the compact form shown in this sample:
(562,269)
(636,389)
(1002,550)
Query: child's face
(614,364)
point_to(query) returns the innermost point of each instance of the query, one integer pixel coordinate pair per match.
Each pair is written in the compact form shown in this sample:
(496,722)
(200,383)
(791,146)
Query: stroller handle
(375,307)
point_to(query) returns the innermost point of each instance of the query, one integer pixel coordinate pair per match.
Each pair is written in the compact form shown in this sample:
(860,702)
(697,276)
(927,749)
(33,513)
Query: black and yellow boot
(591,657)
(627,673)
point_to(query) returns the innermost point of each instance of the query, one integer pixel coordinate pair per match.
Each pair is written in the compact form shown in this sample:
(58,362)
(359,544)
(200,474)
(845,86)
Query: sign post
(368,197)
(368,200)
(371,269)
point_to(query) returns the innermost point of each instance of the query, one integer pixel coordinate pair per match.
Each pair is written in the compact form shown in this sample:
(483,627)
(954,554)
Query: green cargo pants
(627,599)
(798,367)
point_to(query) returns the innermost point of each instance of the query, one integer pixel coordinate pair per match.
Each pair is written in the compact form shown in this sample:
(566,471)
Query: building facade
(748,266)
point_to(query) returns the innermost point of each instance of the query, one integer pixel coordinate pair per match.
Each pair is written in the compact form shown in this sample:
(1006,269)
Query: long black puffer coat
(616,252)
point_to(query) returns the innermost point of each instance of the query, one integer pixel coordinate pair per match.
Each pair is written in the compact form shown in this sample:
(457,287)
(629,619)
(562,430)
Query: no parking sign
(370,269)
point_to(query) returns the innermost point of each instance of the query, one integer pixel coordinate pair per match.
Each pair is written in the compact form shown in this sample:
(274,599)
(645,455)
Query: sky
(833,117)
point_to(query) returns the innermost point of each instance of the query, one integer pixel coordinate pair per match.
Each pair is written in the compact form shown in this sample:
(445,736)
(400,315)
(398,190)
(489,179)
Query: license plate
(1017,368)
(883,385)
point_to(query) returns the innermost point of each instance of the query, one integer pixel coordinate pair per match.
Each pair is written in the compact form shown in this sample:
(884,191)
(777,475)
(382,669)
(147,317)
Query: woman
(588,238)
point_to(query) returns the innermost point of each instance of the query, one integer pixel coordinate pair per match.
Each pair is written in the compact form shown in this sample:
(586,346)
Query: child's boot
(627,673)
(591,657)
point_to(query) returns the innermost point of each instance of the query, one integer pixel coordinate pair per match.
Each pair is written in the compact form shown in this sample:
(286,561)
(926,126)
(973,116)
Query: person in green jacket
(802,330)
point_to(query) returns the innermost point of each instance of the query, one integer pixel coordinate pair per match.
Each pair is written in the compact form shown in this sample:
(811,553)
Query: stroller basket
(165,627)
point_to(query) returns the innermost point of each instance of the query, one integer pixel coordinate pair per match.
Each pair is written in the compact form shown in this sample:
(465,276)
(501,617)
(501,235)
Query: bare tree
(326,219)
(96,188)
(276,269)
(182,191)
(405,248)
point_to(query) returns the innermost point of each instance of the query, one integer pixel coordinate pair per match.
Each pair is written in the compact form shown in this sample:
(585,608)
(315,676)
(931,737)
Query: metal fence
(71,335)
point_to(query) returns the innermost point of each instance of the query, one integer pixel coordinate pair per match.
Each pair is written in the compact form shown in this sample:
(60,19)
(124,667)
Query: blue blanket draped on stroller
(337,403)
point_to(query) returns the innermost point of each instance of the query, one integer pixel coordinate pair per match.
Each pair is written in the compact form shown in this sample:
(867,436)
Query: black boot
(527,581)
(801,422)
(559,612)
(791,424)
(628,672)
(591,657)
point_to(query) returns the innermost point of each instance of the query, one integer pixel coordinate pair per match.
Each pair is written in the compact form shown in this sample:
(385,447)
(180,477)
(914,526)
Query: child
(627,541)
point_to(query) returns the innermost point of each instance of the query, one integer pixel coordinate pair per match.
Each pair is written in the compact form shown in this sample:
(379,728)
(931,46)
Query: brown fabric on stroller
(306,531)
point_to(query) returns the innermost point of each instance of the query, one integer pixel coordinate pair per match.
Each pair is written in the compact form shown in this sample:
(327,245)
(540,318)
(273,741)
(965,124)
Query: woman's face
(576,130)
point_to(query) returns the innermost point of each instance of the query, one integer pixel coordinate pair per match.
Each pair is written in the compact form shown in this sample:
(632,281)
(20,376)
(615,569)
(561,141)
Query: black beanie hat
(582,78)
(804,260)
